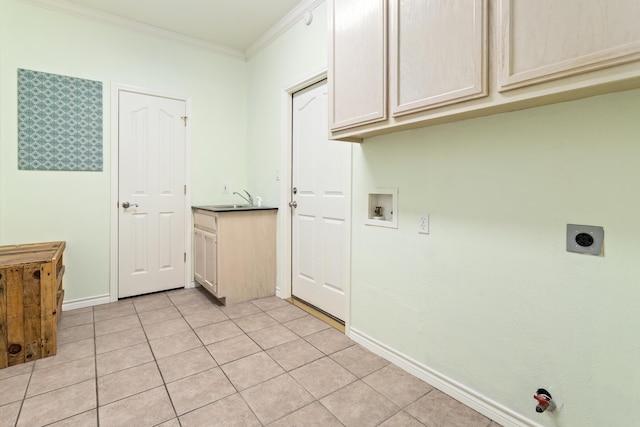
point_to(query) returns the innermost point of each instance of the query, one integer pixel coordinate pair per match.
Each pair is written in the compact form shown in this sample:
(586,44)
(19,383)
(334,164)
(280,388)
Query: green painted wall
(296,55)
(293,57)
(75,206)
(490,298)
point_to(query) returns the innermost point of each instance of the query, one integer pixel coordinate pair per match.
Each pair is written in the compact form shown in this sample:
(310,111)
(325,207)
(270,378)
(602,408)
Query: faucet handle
(250,197)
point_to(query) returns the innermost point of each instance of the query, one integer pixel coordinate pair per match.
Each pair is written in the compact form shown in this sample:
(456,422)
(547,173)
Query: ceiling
(234,24)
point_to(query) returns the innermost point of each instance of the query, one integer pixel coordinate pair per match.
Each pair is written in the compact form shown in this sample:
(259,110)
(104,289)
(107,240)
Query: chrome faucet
(249,199)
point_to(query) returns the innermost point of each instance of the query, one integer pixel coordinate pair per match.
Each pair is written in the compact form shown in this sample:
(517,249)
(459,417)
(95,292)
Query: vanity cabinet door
(357,62)
(211,261)
(205,269)
(546,40)
(437,53)
(199,257)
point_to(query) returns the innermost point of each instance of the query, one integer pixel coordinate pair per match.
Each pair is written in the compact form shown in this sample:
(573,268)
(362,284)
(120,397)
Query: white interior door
(322,191)
(151,230)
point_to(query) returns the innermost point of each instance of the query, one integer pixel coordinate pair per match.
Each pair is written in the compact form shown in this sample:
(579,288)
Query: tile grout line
(95,365)
(268,355)
(153,355)
(164,383)
(214,359)
(207,350)
(69,385)
(237,321)
(263,350)
(218,365)
(24,396)
(328,356)
(286,372)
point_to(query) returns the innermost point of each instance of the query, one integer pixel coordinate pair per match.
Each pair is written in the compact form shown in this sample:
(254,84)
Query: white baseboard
(101,299)
(85,302)
(461,393)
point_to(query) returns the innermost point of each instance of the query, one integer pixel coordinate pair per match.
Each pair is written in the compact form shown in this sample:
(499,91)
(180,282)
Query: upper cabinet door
(437,53)
(357,62)
(546,40)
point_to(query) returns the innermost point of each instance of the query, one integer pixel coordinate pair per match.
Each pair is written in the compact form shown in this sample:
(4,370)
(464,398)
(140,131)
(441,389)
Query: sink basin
(229,207)
(233,208)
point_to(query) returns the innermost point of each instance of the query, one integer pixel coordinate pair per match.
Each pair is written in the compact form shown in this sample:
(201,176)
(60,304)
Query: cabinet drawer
(205,221)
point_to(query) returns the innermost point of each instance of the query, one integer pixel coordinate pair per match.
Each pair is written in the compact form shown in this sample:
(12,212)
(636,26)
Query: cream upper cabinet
(357,62)
(546,40)
(437,53)
(451,60)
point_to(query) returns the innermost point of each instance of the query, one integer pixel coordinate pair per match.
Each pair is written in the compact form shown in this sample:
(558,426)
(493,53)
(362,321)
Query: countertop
(234,208)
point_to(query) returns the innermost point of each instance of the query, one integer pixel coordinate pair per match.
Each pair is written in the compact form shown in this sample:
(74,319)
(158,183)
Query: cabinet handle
(293,204)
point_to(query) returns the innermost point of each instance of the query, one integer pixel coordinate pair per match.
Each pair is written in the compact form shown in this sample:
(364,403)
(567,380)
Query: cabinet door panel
(357,62)
(198,239)
(545,40)
(206,262)
(211,261)
(437,53)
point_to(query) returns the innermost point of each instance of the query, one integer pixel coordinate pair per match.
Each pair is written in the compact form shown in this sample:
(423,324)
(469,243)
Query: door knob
(293,204)
(126,205)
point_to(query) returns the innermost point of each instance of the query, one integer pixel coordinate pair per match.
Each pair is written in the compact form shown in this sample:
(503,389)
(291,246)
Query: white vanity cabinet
(235,253)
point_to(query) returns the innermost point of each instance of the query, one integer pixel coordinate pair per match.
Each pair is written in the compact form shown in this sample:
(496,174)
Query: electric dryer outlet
(585,239)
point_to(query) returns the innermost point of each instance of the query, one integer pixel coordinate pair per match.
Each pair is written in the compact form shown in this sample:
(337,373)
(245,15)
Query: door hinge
(185,189)
(185,257)
(185,118)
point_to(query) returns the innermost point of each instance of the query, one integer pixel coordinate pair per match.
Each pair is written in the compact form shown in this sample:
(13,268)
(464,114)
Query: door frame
(284,287)
(116,88)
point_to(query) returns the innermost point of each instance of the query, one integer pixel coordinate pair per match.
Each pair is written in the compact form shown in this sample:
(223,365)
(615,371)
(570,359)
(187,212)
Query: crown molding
(96,15)
(288,21)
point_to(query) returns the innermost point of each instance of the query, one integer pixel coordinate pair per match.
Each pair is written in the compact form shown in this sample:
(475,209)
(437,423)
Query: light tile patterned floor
(179,359)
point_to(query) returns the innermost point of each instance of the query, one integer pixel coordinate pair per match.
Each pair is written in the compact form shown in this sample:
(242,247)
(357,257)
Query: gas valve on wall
(545,402)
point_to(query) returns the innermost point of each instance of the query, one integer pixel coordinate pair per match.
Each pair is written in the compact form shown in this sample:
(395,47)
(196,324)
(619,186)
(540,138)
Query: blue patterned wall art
(59,122)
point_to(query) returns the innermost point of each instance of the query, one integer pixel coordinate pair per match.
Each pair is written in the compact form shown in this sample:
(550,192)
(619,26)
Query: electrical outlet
(225,189)
(585,239)
(423,224)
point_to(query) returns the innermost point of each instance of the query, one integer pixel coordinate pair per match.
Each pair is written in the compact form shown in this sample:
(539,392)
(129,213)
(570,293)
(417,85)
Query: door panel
(334,251)
(306,237)
(151,232)
(320,223)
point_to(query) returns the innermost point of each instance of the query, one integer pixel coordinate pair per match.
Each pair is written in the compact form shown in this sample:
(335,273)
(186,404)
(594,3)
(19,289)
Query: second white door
(322,192)
(151,228)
